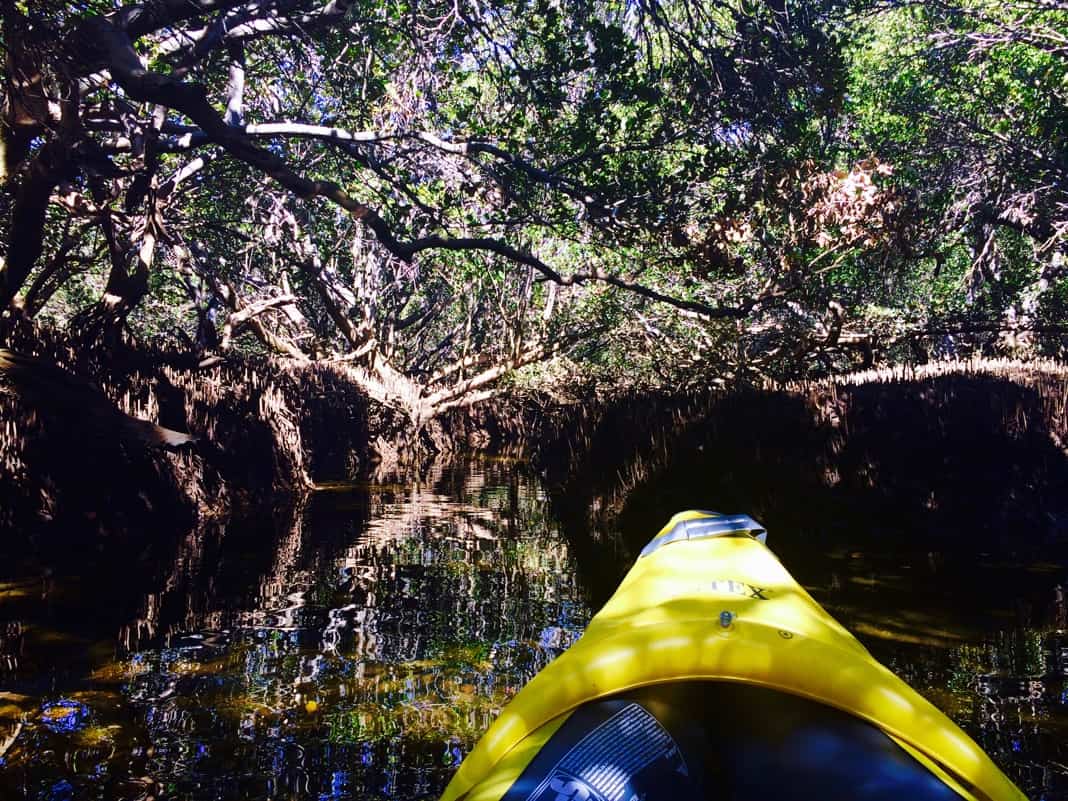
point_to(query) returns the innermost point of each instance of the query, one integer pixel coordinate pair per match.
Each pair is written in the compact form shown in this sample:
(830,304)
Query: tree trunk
(26,240)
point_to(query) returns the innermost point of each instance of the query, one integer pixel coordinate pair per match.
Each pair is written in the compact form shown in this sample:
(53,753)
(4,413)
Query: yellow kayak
(712,674)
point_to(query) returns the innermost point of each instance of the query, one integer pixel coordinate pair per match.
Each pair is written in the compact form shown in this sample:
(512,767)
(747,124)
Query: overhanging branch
(116,51)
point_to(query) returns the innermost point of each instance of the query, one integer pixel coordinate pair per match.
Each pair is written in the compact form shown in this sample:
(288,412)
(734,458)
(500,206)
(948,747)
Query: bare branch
(144,18)
(702,311)
(242,316)
(235,89)
(191,46)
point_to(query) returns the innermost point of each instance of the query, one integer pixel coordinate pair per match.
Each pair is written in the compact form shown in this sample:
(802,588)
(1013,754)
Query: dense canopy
(441,192)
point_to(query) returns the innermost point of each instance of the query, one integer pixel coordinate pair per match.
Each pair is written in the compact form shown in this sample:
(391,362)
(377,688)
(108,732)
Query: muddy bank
(263,430)
(977,447)
(971,455)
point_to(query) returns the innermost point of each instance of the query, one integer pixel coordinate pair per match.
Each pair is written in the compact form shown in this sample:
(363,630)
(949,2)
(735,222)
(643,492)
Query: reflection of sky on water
(361,648)
(64,716)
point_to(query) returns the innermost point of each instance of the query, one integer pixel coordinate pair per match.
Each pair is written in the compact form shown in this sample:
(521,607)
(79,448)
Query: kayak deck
(708,602)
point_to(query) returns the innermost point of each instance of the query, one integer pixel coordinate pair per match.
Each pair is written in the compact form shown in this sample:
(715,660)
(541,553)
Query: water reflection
(356,648)
(361,658)
(983,639)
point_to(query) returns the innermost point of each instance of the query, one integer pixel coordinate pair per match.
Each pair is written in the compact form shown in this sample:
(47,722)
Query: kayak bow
(707,608)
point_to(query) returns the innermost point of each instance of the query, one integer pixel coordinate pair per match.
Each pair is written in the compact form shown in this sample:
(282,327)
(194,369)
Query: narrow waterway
(358,646)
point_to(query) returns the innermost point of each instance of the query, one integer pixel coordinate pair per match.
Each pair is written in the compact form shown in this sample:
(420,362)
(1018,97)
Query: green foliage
(674,192)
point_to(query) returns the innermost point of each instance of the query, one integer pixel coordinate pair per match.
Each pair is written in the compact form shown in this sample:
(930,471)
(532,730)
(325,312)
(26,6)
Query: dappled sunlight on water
(357,647)
(386,630)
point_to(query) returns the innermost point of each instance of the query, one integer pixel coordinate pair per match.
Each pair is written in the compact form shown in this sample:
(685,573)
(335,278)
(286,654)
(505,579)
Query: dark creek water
(357,647)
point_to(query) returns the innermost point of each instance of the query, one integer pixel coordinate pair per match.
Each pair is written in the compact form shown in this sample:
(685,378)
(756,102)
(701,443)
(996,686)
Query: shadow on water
(967,465)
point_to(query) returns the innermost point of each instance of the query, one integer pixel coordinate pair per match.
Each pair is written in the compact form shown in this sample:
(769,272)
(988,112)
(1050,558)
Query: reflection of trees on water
(357,647)
(1004,682)
(362,656)
(1011,695)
